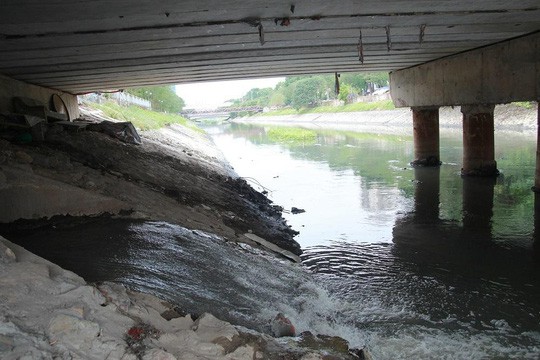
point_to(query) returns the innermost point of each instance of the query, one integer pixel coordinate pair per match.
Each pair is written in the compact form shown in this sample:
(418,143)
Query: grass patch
(291,135)
(356,107)
(142,118)
(524,104)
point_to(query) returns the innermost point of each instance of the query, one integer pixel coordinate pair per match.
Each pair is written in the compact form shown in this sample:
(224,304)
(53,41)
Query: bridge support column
(536,231)
(536,187)
(426,136)
(478,141)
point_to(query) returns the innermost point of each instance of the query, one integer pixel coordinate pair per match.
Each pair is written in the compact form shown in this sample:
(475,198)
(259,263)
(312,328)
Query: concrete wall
(498,74)
(10,88)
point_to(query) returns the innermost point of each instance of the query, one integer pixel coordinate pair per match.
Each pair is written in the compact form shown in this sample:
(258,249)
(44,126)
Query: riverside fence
(120,97)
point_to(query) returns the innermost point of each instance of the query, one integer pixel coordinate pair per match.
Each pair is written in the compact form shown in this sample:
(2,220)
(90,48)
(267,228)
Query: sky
(209,95)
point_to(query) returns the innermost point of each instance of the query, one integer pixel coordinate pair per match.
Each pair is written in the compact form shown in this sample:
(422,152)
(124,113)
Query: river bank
(508,117)
(176,176)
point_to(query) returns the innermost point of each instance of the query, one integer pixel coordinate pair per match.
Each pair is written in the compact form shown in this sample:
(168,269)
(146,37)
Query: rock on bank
(47,312)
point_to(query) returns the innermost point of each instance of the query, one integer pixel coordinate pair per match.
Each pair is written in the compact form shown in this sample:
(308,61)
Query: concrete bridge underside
(82,46)
(473,54)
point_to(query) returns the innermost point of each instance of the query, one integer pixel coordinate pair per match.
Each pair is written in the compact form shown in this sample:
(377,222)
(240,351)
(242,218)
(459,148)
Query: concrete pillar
(536,187)
(536,231)
(478,206)
(478,141)
(426,136)
(427,194)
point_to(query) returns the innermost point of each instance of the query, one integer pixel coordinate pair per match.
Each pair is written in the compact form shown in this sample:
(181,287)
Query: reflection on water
(354,186)
(435,265)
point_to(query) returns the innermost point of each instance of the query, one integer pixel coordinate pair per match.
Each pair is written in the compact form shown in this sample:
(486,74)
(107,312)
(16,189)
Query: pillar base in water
(431,161)
(483,171)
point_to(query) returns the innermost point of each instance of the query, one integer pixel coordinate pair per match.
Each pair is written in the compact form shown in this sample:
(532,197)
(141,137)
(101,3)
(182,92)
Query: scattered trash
(282,326)
(23,138)
(282,21)
(123,131)
(295,210)
(28,106)
(136,335)
(25,128)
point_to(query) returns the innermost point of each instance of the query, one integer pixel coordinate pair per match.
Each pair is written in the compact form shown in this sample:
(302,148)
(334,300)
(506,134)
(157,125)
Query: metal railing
(120,97)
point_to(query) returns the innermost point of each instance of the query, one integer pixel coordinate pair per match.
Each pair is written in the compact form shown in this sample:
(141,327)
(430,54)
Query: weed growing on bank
(142,118)
(291,135)
(524,104)
(361,106)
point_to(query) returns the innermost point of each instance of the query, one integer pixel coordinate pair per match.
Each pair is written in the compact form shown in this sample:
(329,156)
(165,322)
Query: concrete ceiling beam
(497,74)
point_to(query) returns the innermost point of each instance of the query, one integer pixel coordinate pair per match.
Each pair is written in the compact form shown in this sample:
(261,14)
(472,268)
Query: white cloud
(208,95)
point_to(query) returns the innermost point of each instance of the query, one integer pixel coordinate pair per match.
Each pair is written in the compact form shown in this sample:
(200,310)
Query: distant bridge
(224,112)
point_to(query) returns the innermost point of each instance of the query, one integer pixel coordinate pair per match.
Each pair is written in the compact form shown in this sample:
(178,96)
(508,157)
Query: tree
(254,97)
(307,92)
(347,92)
(163,98)
(277,98)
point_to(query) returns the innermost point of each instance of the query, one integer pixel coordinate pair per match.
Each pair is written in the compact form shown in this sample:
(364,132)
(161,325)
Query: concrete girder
(497,74)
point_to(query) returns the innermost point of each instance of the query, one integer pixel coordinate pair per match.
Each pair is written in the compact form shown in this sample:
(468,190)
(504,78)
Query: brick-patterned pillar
(426,136)
(478,141)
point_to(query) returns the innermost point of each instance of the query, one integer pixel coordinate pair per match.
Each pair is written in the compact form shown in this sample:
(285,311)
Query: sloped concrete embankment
(508,117)
(176,175)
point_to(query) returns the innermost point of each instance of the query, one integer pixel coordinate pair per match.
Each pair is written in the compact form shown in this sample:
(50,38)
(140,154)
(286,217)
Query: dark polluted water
(413,263)
(418,262)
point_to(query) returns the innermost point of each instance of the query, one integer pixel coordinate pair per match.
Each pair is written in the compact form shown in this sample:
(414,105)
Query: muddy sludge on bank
(176,175)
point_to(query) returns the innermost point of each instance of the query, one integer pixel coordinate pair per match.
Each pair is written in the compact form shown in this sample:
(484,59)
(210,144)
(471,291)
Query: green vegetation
(255,97)
(303,93)
(524,104)
(308,91)
(291,135)
(343,150)
(360,106)
(142,118)
(163,98)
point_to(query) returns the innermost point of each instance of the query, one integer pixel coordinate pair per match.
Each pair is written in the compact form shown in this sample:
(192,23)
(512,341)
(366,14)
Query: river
(412,263)
(424,263)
